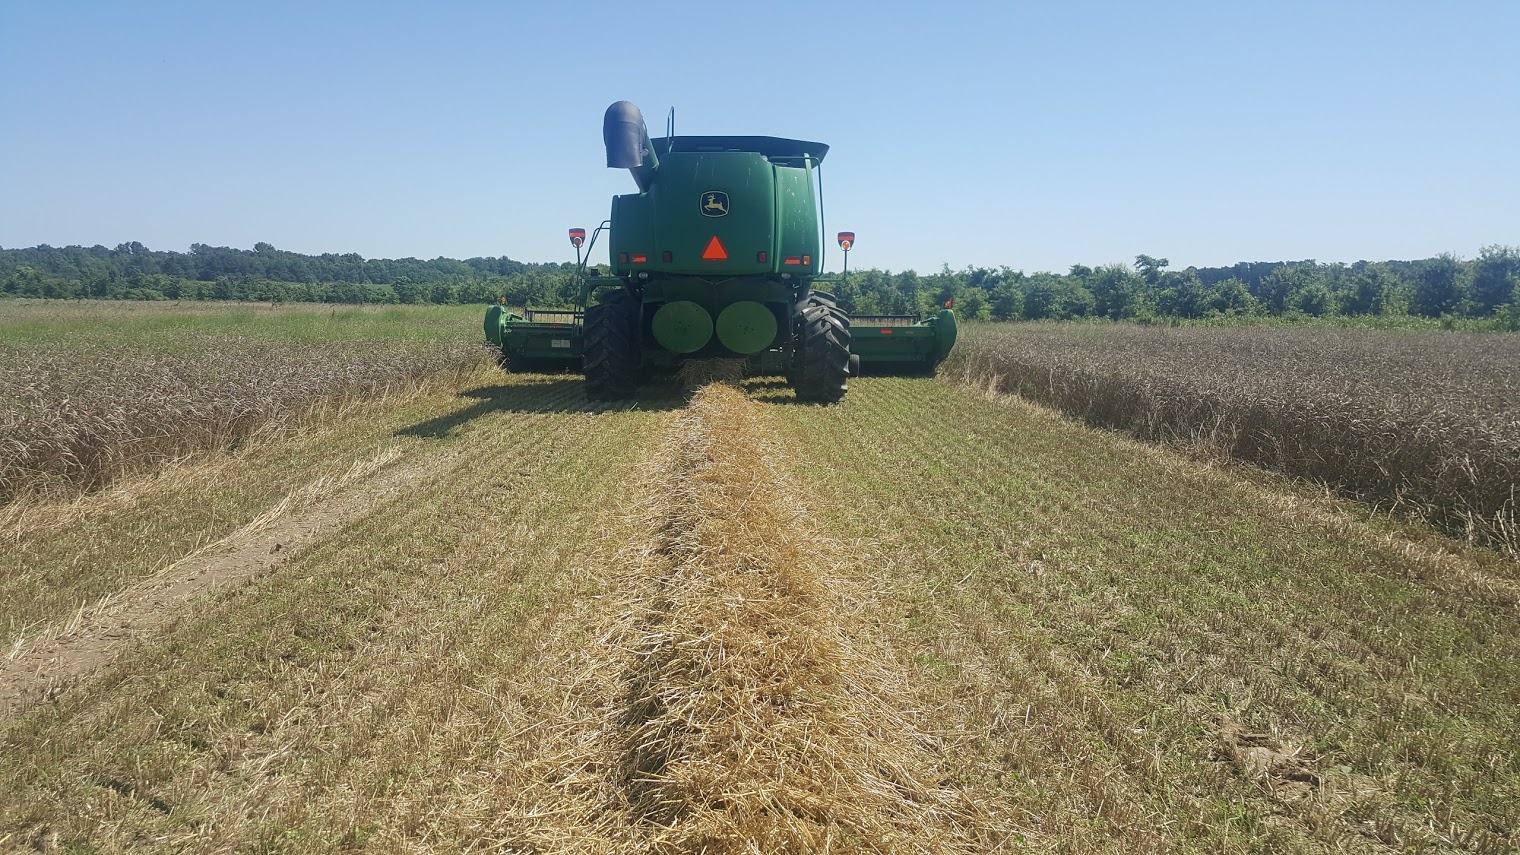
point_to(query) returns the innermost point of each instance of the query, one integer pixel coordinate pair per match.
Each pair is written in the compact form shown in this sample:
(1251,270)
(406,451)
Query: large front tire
(611,356)
(821,360)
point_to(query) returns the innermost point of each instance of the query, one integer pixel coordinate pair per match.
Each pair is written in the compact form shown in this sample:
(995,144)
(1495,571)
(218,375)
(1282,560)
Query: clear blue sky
(1033,135)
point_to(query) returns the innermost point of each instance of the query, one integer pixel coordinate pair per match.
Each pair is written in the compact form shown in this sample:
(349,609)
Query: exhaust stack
(627,142)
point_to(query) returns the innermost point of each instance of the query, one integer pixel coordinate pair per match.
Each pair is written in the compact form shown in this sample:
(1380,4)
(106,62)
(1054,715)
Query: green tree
(1511,313)
(1495,275)
(24,281)
(942,286)
(1232,297)
(1313,299)
(1183,296)
(1373,292)
(1007,303)
(1150,269)
(408,291)
(873,284)
(1048,296)
(1437,287)
(972,305)
(1116,291)
(1281,287)
(905,295)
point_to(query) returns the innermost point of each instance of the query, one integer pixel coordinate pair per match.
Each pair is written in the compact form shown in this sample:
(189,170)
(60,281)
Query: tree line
(1486,287)
(131,271)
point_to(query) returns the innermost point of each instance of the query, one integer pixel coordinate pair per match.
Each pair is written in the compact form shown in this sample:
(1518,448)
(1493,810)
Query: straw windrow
(753,712)
(753,721)
(697,373)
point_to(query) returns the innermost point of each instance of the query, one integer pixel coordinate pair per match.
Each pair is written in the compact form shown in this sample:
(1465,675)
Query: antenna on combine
(846,240)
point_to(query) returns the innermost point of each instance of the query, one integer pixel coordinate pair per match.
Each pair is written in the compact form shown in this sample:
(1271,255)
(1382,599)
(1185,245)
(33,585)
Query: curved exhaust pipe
(627,142)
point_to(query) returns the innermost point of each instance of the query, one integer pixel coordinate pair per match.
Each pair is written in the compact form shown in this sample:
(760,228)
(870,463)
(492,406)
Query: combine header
(903,344)
(542,339)
(715,256)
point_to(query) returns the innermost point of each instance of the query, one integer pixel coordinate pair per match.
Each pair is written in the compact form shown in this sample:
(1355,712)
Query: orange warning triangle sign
(715,250)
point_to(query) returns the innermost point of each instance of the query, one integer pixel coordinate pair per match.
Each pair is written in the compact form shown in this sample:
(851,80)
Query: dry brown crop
(1423,422)
(80,416)
(755,720)
(752,711)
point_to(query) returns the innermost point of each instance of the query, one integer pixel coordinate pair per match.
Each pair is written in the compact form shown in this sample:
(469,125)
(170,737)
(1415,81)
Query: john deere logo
(714,204)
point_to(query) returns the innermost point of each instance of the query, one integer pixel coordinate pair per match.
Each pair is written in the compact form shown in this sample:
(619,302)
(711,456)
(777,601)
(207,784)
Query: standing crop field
(1426,422)
(95,390)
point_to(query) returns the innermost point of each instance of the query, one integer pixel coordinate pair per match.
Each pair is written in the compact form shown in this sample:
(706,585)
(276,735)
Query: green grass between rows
(191,327)
(1098,615)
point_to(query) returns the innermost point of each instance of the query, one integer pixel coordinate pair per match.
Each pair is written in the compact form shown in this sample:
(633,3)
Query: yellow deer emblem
(714,204)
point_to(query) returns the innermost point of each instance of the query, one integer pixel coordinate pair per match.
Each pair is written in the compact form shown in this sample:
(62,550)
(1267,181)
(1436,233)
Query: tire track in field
(42,667)
(379,685)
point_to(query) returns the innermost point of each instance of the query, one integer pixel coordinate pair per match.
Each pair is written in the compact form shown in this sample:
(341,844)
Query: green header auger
(715,256)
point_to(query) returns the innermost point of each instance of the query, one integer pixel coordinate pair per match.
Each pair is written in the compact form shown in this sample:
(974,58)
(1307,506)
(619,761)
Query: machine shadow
(770,390)
(542,394)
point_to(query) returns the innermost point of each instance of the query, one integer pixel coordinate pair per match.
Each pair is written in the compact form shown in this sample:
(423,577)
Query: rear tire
(821,359)
(814,298)
(611,356)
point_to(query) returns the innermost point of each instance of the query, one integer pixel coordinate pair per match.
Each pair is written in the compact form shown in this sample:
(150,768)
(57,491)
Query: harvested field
(1136,651)
(495,616)
(1424,422)
(735,701)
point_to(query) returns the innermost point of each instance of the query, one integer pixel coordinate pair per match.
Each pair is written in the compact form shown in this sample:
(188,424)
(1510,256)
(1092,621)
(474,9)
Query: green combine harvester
(715,256)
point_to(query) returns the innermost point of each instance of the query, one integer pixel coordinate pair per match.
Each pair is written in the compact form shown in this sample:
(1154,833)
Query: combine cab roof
(774,148)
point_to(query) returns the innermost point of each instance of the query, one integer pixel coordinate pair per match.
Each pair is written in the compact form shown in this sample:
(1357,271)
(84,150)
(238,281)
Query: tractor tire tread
(611,356)
(822,362)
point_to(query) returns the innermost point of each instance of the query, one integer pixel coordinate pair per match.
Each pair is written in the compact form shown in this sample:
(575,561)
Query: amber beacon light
(846,240)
